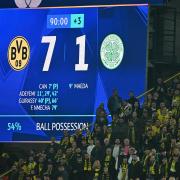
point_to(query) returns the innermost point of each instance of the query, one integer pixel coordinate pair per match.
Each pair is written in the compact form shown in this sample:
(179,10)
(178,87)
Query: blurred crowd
(141,143)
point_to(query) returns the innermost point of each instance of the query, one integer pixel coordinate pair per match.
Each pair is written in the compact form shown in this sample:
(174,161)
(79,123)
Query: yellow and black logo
(18,53)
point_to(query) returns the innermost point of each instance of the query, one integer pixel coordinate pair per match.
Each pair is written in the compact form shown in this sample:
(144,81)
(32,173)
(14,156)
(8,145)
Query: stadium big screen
(57,65)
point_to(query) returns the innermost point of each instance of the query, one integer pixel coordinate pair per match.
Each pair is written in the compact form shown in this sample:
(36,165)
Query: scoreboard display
(58,64)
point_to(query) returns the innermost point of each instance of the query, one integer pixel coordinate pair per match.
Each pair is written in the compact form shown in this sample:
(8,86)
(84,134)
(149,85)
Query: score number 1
(81,41)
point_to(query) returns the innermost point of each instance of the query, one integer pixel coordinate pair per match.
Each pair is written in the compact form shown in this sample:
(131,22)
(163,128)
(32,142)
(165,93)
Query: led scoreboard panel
(57,65)
(98,2)
(54,3)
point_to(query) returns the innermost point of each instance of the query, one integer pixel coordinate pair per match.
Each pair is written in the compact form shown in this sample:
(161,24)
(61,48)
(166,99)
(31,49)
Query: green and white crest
(112,51)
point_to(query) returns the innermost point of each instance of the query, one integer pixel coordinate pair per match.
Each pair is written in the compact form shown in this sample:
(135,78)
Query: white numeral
(81,41)
(52,41)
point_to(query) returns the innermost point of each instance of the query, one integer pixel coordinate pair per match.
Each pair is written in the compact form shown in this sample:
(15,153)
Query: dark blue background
(130,23)
(50,3)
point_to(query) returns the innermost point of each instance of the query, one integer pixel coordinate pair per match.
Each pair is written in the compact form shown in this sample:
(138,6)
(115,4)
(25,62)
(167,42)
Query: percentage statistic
(14,126)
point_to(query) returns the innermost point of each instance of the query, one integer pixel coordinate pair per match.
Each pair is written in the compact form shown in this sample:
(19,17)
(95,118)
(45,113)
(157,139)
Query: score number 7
(81,41)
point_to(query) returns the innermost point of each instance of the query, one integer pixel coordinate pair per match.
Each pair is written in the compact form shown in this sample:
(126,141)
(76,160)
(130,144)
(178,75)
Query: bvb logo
(18,53)
(112,51)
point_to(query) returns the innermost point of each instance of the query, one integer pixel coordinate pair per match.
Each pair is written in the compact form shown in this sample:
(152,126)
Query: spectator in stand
(76,164)
(137,108)
(98,134)
(97,170)
(116,149)
(122,167)
(5,163)
(61,172)
(134,168)
(98,151)
(53,144)
(156,98)
(119,129)
(90,147)
(132,99)
(101,116)
(87,167)
(163,168)
(114,103)
(152,168)
(160,88)
(109,164)
(29,168)
(40,166)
